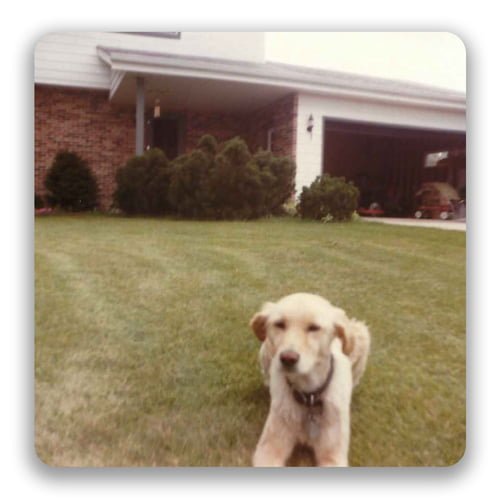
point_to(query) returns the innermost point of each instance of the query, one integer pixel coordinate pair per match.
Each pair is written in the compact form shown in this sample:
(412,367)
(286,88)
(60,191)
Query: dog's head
(300,329)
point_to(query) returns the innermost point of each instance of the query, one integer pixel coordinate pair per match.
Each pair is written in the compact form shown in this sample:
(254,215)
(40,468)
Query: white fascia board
(293,86)
(116,79)
(152,64)
(104,54)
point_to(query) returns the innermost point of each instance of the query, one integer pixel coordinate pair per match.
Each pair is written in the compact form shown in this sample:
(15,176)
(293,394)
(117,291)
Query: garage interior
(389,164)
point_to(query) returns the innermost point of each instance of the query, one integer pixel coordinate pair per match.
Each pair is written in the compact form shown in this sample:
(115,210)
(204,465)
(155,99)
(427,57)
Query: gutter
(305,80)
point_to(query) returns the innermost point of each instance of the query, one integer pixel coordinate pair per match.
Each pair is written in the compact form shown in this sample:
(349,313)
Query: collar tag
(312,399)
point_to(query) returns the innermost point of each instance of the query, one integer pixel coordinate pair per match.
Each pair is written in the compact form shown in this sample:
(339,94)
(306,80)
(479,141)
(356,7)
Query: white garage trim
(309,151)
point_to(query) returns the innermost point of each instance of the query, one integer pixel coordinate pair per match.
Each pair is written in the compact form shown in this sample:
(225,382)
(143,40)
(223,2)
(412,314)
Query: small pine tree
(70,183)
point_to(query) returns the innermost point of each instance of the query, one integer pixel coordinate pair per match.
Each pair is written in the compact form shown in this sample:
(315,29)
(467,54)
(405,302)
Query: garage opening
(390,165)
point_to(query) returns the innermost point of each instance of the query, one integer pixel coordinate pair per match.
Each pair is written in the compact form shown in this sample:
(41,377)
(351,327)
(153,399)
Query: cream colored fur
(309,325)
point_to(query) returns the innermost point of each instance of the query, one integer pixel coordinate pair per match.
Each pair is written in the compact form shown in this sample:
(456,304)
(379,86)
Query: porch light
(156,112)
(310,124)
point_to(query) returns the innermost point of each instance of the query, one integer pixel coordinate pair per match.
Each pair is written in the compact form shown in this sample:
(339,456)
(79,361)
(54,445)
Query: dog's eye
(313,328)
(280,324)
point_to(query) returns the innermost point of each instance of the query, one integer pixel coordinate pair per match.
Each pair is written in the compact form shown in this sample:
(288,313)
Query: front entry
(166,135)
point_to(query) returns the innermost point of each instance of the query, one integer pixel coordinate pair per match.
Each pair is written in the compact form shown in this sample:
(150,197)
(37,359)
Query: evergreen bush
(236,182)
(278,180)
(142,184)
(329,198)
(70,183)
(190,192)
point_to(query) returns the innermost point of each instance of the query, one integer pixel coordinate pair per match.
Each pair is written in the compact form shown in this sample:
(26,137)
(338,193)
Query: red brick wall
(223,126)
(82,121)
(280,115)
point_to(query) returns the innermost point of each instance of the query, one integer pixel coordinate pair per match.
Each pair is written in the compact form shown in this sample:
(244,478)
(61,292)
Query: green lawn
(144,355)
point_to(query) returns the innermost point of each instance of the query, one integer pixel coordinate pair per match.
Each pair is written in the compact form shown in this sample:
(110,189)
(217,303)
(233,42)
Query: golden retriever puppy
(311,357)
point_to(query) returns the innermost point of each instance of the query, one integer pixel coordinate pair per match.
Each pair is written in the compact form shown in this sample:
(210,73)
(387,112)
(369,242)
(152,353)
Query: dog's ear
(259,322)
(347,340)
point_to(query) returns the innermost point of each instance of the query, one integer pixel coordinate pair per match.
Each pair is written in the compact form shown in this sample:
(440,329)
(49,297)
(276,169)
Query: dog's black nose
(289,358)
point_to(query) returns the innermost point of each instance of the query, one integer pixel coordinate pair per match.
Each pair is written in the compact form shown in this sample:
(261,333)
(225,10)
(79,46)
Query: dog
(312,356)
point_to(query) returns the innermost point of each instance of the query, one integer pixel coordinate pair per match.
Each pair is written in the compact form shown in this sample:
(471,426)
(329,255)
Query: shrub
(208,144)
(142,184)
(230,184)
(236,182)
(213,182)
(71,183)
(329,198)
(278,180)
(190,191)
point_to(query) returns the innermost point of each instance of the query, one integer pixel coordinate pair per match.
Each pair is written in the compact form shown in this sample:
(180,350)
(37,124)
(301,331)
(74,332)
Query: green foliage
(142,184)
(71,184)
(208,144)
(210,182)
(277,178)
(329,199)
(227,182)
(190,192)
(236,182)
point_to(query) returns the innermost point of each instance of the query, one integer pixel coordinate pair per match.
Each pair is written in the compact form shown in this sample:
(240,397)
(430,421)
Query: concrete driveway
(450,225)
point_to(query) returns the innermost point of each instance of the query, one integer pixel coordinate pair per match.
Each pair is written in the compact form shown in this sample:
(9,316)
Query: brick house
(108,96)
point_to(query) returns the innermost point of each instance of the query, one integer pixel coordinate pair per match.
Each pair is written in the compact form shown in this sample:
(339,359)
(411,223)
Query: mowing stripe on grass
(144,355)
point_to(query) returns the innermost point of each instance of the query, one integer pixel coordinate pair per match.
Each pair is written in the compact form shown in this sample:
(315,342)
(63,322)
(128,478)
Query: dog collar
(311,399)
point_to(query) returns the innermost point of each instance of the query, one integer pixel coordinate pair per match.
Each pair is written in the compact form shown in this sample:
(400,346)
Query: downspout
(139,116)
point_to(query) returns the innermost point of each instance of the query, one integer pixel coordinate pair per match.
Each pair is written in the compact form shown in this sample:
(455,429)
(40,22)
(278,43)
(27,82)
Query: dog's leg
(275,444)
(334,454)
(332,460)
(333,448)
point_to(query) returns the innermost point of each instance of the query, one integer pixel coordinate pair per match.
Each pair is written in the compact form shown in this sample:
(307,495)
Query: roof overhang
(267,80)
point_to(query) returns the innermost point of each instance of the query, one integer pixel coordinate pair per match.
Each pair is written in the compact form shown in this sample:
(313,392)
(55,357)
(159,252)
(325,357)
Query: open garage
(390,164)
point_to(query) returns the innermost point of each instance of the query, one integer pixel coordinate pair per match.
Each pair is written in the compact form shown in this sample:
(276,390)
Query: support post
(139,116)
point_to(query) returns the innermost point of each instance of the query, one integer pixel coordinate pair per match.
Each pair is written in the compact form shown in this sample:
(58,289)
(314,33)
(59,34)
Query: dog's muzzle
(313,398)
(289,358)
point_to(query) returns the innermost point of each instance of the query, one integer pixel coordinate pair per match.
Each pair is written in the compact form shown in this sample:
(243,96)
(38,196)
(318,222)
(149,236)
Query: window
(159,34)
(432,159)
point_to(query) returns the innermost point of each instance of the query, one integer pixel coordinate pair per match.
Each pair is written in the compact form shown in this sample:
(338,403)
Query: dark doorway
(387,163)
(166,135)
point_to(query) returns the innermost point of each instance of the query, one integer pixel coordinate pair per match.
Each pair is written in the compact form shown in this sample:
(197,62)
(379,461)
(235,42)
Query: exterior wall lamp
(156,112)
(310,124)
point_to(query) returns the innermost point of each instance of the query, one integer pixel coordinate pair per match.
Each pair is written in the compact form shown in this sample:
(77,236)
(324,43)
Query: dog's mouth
(296,379)
(290,368)
(310,380)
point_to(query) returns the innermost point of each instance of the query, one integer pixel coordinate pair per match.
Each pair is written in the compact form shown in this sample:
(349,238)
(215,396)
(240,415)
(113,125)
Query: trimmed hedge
(278,180)
(236,183)
(227,182)
(142,184)
(190,191)
(211,182)
(70,183)
(329,198)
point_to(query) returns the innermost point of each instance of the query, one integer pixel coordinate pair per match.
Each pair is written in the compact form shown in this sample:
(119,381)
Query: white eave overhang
(296,78)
